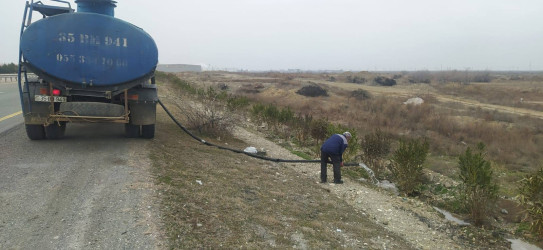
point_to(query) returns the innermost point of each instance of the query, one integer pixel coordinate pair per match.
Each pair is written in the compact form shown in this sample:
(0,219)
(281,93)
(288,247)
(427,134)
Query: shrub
(531,195)
(478,190)
(483,76)
(312,91)
(286,116)
(360,94)
(271,115)
(383,81)
(237,102)
(376,147)
(407,164)
(420,77)
(319,129)
(356,79)
(302,127)
(257,110)
(210,117)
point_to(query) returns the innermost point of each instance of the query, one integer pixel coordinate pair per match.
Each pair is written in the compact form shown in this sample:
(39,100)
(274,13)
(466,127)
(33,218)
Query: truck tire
(131,130)
(148,131)
(35,132)
(91,109)
(55,131)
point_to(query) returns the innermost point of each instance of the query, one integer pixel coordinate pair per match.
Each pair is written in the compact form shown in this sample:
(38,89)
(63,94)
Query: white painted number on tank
(95,40)
(119,42)
(65,58)
(90,60)
(66,37)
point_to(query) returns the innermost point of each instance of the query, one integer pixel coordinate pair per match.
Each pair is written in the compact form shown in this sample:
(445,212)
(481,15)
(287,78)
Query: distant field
(505,112)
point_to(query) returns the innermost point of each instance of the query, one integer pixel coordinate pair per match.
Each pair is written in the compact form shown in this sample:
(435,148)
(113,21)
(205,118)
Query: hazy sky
(330,34)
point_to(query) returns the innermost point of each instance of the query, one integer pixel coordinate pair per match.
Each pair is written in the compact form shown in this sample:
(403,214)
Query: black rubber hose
(240,151)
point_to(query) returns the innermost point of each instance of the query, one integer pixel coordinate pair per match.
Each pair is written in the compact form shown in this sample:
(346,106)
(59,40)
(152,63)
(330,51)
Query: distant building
(173,68)
(294,70)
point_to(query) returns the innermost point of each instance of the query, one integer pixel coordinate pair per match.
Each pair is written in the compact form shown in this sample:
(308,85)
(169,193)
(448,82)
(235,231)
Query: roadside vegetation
(531,195)
(399,142)
(407,165)
(478,190)
(211,198)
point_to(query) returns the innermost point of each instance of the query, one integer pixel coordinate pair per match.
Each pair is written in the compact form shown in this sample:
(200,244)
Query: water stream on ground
(516,244)
(450,217)
(385,184)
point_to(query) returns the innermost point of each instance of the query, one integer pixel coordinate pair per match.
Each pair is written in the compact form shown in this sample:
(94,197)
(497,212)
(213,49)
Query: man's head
(347,135)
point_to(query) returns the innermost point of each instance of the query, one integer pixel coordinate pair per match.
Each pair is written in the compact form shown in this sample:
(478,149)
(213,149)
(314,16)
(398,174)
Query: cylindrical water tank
(89,49)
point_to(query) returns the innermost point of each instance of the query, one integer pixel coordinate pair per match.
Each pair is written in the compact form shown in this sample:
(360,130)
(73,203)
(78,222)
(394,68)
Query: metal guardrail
(11,78)
(8,78)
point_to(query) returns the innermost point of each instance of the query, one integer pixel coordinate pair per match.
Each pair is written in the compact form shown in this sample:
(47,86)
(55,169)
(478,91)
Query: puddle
(450,217)
(517,244)
(388,186)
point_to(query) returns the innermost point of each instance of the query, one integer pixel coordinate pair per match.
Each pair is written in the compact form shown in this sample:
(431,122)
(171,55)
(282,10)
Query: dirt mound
(312,91)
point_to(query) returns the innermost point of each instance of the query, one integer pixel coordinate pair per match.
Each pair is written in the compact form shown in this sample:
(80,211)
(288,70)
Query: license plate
(46,98)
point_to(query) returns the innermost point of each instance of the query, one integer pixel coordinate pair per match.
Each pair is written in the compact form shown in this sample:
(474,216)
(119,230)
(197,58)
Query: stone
(415,101)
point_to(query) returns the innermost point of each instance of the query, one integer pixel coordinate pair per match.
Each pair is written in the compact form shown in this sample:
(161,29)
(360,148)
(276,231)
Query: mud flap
(142,105)
(142,113)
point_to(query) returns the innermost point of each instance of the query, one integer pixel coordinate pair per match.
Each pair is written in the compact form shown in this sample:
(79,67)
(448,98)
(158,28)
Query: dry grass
(246,203)
(512,140)
(507,93)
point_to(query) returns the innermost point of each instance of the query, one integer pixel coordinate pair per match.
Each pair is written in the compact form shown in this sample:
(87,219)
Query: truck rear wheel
(35,132)
(148,131)
(55,131)
(131,130)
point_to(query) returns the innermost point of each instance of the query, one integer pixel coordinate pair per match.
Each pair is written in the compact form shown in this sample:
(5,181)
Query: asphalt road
(90,190)
(10,106)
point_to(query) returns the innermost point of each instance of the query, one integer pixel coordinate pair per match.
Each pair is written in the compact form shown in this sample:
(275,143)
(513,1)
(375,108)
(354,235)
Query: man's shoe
(323,181)
(338,182)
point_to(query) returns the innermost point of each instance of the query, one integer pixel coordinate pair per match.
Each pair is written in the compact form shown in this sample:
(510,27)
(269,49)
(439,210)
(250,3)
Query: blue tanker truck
(90,67)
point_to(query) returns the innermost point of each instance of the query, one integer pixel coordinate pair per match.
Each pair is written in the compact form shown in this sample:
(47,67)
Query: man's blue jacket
(336,145)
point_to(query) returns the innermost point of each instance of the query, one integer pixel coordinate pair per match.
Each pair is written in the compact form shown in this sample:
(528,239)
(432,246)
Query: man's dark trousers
(336,162)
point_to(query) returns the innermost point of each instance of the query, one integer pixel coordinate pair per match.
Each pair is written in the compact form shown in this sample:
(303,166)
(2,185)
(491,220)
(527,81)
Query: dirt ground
(213,198)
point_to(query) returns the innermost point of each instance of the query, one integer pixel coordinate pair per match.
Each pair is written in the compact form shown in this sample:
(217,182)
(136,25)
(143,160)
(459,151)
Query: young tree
(376,147)
(531,195)
(478,190)
(407,164)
